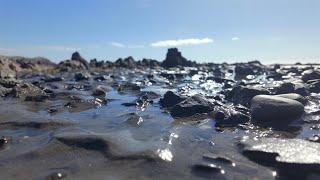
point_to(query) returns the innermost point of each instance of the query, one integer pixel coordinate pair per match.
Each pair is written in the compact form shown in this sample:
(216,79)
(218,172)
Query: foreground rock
(275,110)
(294,96)
(191,106)
(170,99)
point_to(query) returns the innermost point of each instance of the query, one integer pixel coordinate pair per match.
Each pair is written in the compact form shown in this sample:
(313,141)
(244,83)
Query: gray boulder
(275,110)
(294,96)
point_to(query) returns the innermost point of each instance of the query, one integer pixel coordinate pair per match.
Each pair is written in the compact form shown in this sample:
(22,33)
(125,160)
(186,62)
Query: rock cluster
(175,59)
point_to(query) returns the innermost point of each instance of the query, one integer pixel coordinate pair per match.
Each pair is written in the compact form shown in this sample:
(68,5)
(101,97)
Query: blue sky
(204,30)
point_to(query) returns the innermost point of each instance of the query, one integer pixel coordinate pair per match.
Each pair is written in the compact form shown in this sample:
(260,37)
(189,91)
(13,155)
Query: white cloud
(120,45)
(235,39)
(181,42)
(117,45)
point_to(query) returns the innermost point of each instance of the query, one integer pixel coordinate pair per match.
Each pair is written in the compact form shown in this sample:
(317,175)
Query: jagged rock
(230,116)
(310,75)
(68,65)
(243,95)
(250,68)
(128,62)
(285,88)
(314,85)
(10,66)
(275,110)
(191,106)
(81,76)
(170,99)
(77,57)
(151,63)
(174,59)
(96,64)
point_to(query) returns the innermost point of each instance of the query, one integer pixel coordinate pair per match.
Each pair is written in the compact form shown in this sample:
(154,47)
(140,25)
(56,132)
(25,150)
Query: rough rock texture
(77,57)
(10,66)
(170,99)
(128,62)
(174,59)
(76,63)
(243,95)
(191,106)
(275,110)
(310,75)
(250,68)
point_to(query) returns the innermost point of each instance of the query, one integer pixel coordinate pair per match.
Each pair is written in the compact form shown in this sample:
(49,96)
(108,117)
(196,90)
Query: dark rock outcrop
(170,99)
(250,68)
(128,62)
(174,59)
(77,57)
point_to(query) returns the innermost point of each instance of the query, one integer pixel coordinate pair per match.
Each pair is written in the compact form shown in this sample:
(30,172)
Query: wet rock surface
(157,120)
(275,110)
(300,156)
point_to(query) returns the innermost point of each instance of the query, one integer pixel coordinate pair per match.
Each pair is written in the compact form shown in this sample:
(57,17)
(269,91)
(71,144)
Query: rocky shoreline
(245,97)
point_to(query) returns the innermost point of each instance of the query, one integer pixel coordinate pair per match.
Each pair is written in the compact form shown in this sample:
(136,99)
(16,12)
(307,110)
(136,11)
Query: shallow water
(113,141)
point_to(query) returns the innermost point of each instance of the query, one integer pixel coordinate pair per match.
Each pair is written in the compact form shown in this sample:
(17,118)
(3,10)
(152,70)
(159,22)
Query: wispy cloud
(117,45)
(181,42)
(120,45)
(235,39)
(54,48)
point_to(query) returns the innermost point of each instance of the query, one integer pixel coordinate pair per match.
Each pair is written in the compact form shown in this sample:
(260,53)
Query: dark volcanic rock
(294,96)
(128,62)
(275,110)
(314,85)
(77,57)
(285,88)
(310,75)
(81,76)
(250,68)
(230,116)
(170,99)
(99,91)
(191,106)
(174,59)
(151,63)
(243,95)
